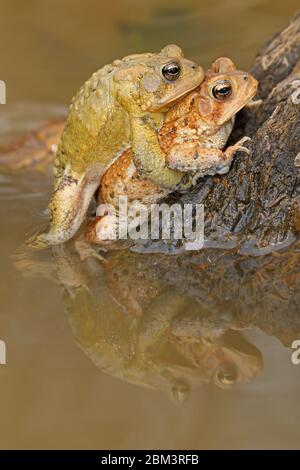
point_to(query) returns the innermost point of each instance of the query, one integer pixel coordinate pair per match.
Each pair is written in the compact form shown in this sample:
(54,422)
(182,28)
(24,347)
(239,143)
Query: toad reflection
(174,323)
(147,334)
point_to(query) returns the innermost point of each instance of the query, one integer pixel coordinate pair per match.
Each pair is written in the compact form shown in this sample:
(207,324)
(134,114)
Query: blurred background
(49,47)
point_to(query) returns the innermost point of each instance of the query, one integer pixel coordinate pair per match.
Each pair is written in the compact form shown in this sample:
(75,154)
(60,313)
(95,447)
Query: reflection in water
(175,323)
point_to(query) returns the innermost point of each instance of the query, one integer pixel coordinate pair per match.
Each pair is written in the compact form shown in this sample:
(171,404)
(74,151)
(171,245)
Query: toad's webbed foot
(237,147)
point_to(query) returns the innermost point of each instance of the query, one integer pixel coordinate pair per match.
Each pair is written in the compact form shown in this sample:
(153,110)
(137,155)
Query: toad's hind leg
(68,206)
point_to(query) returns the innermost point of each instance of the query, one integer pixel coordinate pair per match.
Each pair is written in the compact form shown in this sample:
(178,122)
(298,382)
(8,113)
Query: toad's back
(94,129)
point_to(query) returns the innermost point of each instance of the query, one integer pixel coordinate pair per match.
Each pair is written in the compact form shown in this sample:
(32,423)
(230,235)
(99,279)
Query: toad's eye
(226,375)
(171,71)
(222,90)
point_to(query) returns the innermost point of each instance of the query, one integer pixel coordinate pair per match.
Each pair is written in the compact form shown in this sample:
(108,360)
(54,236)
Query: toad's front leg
(150,159)
(204,160)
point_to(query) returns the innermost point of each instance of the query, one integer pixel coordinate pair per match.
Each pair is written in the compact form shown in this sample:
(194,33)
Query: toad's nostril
(245,77)
(194,67)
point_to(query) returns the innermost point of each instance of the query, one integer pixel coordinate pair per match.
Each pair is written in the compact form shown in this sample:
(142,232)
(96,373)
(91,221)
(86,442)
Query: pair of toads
(143,127)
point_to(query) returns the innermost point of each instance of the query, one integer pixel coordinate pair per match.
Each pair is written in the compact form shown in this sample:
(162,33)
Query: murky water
(144,351)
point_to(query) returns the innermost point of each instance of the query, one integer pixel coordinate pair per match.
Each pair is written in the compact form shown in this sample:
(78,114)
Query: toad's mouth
(249,96)
(165,105)
(236,342)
